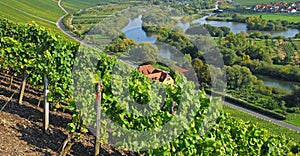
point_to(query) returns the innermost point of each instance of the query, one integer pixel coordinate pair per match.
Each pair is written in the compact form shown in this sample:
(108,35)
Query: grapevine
(34,50)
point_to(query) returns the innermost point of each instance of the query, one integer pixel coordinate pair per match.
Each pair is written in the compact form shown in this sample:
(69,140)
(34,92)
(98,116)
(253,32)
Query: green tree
(237,42)
(226,30)
(120,44)
(239,77)
(270,26)
(229,56)
(202,71)
(297,35)
(238,18)
(144,52)
(293,100)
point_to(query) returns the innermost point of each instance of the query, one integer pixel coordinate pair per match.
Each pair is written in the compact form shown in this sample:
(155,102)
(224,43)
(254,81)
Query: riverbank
(241,26)
(196,19)
(285,85)
(258,100)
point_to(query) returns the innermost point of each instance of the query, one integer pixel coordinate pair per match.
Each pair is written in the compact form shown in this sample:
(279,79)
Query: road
(278,122)
(63,29)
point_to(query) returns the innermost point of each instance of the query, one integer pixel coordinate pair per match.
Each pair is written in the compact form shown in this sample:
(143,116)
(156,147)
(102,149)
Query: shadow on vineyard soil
(21,126)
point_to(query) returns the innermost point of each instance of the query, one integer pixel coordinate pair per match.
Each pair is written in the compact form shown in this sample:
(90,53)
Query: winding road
(61,26)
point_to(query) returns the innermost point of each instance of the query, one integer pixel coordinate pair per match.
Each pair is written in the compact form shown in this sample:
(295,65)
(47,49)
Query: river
(236,27)
(285,85)
(134,31)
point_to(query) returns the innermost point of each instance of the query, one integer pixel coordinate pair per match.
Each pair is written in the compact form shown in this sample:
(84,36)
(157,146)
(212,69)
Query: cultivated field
(268,16)
(253,2)
(75,5)
(43,12)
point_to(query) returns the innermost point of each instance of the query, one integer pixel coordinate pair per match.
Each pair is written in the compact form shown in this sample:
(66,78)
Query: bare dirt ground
(21,126)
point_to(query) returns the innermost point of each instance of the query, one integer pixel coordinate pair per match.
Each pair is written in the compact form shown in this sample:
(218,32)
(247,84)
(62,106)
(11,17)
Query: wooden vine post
(46,105)
(22,89)
(11,81)
(98,118)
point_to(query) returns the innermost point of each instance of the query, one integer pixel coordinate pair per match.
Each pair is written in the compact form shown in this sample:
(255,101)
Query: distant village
(282,7)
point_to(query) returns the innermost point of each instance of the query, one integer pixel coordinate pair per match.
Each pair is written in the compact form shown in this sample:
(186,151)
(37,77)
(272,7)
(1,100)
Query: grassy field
(271,127)
(47,9)
(266,16)
(43,12)
(75,5)
(253,2)
(293,119)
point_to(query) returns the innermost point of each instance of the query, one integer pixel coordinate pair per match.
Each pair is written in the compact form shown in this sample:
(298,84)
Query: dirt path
(62,8)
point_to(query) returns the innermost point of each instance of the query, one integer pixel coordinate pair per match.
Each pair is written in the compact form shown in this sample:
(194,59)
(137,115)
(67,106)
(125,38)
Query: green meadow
(43,12)
(75,5)
(293,119)
(268,16)
(47,9)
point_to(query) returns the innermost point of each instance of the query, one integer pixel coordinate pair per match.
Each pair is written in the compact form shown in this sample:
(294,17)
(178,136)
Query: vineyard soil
(21,127)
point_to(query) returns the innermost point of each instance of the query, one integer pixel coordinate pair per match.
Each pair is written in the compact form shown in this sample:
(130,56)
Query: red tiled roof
(146,69)
(153,74)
